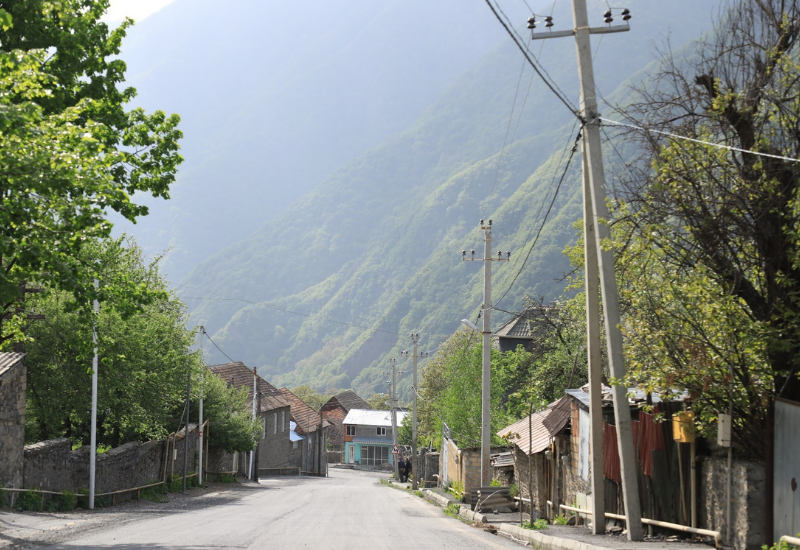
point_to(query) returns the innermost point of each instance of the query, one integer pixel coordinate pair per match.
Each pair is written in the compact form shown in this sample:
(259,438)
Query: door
(351,454)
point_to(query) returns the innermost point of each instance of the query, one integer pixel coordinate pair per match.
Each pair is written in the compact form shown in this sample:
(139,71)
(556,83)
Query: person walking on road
(401,469)
(408,467)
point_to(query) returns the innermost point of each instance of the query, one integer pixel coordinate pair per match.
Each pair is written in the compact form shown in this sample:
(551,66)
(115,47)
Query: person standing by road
(401,469)
(408,467)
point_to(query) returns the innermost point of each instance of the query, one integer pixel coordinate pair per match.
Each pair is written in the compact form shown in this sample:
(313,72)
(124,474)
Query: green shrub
(418,493)
(495,483)
(540,523)
(175,484)
(65,502)
(561,519)
(781,546)
(153,494)
(458,489)
(226,478)
(30,501)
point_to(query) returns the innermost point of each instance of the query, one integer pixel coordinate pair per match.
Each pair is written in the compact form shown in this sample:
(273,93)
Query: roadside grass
(156,493)
(539,524)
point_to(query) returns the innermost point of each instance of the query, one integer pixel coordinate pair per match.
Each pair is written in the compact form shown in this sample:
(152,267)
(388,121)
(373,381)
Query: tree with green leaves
(145,361)
(709,236)
(70,153)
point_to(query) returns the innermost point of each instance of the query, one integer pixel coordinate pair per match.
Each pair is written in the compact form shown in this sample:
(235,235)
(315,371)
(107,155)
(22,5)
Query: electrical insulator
(626,14)
(548,21)
(607,17)
(531,26)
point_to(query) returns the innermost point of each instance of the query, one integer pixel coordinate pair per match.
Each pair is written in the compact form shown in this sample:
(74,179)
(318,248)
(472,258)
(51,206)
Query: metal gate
(786,519)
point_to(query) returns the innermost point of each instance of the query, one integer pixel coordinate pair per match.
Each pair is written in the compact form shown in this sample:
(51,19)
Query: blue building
(368,436)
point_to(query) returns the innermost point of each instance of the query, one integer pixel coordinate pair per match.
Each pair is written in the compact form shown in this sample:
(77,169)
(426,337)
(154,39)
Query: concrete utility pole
(186,429)
(393,408)
(416,355)
(200,432)
(93,436)
(253,452)
(486,385)
(595,210)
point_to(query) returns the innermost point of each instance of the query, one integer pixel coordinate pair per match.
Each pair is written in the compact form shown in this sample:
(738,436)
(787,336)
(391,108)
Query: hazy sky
(136,9)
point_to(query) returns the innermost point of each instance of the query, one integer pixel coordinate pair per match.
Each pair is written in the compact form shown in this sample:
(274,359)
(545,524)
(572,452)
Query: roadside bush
(561,519)
(65,502)
(226,478)
(153,494)
(83,499)
(781,546)
(30,501)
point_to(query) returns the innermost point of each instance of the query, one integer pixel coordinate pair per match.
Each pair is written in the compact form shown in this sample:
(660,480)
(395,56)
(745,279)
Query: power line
(535,67)
(549,208)
(265,304)
(687,138)
(220,349)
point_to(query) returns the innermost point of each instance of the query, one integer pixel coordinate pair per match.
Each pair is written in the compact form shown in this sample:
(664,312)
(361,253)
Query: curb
(545,542)
(435,498)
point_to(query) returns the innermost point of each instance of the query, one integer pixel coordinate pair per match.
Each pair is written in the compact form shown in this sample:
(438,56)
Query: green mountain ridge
(341,277)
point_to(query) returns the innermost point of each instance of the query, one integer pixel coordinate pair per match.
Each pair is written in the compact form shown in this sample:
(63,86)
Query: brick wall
(12,425)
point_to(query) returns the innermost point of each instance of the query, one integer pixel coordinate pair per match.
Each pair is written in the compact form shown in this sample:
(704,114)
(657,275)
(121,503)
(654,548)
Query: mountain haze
(276,95)
(326,291)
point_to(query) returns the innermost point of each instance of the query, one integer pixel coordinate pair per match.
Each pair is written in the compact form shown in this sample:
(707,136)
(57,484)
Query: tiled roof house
(275,445)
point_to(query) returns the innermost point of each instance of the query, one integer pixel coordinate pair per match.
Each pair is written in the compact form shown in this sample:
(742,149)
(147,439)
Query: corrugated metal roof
(582,395)
(9,360)
(534,436)
(239,375)
(365,417)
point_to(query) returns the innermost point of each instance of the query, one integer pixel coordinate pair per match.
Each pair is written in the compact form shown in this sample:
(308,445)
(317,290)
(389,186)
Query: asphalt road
(348,510)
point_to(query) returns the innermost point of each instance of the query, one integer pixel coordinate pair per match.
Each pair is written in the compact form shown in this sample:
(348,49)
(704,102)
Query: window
(283,421)
(374,455)
(351,430)
(381,431)
(274,423)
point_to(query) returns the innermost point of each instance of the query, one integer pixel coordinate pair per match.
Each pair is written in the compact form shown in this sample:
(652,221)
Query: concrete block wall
(12,425)
(748,501)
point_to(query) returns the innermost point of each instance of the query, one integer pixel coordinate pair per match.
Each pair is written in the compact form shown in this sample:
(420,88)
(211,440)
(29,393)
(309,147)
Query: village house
(273,409)
(368,436)
(311,427)
(334,411)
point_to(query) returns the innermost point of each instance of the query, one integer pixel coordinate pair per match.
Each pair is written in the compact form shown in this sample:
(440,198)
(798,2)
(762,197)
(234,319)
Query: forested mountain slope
(329,289)
(275,95)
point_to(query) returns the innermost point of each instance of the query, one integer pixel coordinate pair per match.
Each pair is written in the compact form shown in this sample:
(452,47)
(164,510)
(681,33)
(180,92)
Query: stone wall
(53,466)
(428,467)
(219,462)
(12,425)
(748,500)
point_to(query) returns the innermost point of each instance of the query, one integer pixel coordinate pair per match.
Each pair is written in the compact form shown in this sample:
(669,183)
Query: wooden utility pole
(597,231)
